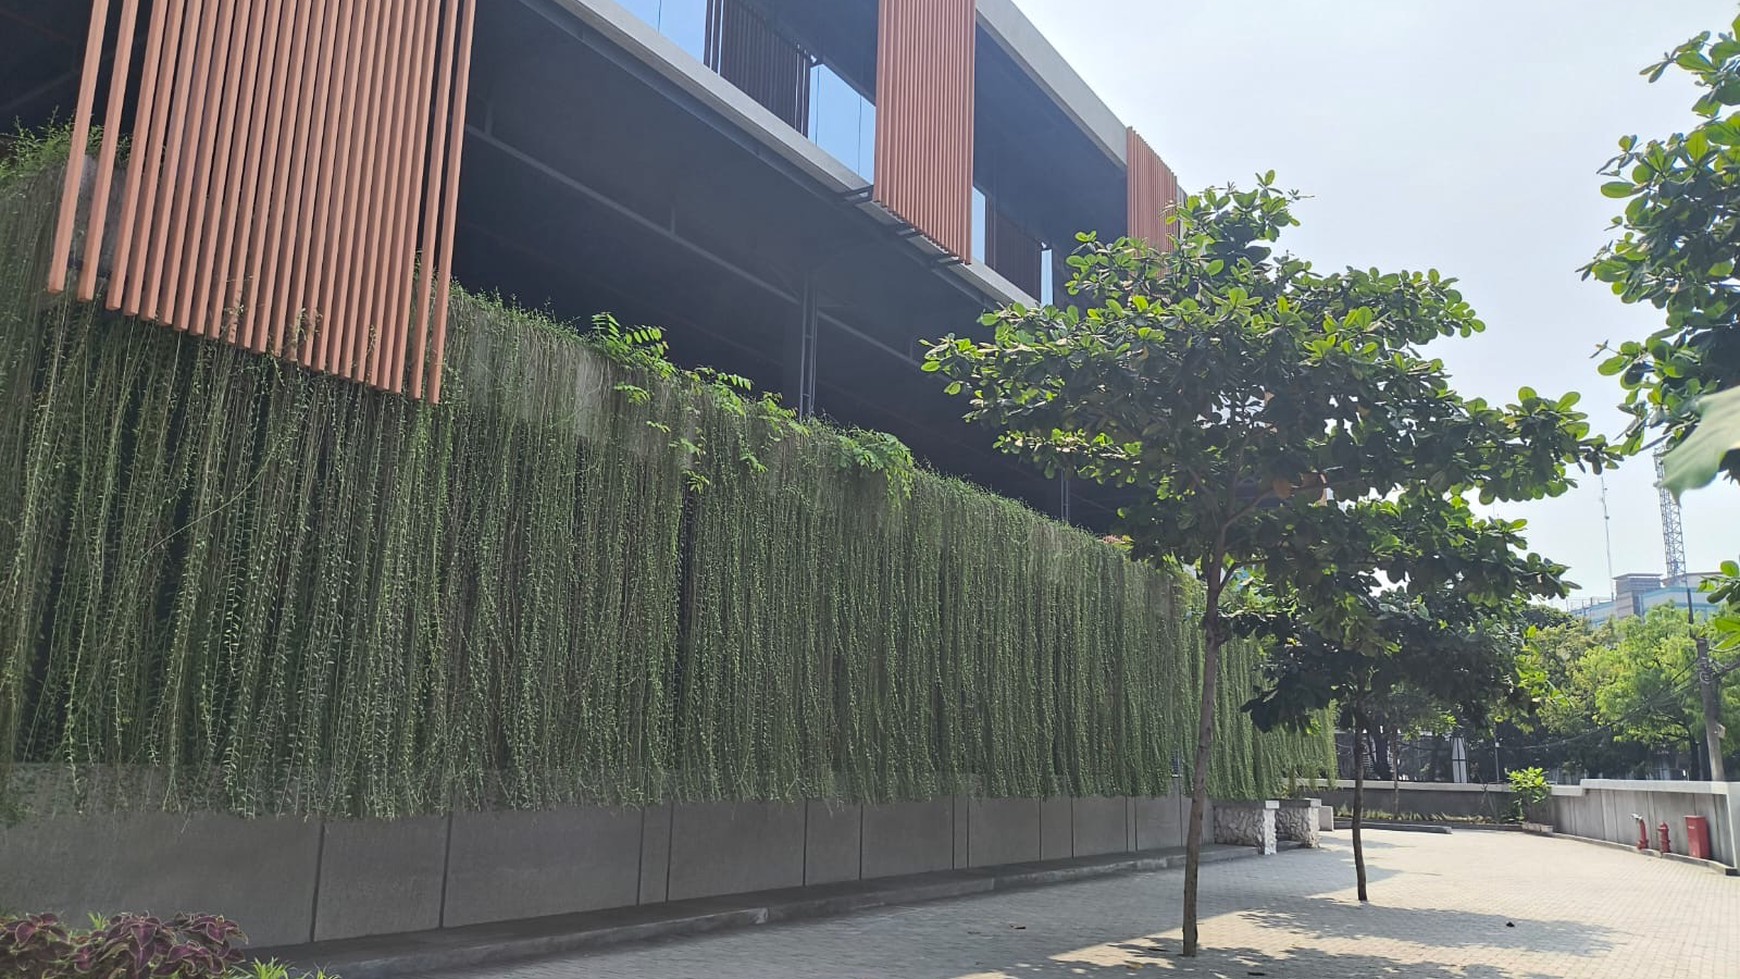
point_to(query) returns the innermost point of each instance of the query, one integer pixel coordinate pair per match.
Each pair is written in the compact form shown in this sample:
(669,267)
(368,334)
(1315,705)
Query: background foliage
(229,584)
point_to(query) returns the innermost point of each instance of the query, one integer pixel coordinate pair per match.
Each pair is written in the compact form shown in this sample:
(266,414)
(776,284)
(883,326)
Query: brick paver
(1470,905)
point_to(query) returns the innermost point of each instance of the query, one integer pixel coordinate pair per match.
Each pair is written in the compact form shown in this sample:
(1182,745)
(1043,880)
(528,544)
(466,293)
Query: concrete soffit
(1016,35)
(663,55)
(642,41)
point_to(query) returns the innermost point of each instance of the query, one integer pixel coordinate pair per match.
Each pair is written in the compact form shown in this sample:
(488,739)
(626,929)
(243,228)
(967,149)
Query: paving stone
(1464,906)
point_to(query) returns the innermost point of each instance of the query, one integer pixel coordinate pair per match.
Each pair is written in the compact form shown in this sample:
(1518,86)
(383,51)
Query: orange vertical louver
(292,179)
(924,118)
(1153,194)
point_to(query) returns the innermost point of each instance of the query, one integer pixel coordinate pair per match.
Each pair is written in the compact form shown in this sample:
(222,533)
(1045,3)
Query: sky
(1458,136)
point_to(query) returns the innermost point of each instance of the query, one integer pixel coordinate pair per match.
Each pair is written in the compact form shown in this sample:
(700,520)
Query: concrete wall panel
(377,878)
(735,848)
(510,865)
(833,844)
(1002,831)
(1056,829)
(655,853)
(1101,826)
(908,838)
(259,873)
(960,804)
(1160,822)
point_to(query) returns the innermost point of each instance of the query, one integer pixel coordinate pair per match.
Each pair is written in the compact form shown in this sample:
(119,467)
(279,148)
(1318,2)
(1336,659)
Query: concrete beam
(1027,47)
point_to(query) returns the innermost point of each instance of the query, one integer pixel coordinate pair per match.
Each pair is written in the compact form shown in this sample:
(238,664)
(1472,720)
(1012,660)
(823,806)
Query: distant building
(1635,594)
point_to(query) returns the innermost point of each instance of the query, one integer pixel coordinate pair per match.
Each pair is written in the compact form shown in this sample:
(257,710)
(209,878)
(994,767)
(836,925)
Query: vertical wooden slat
(924,117)
(387,158)
(145,168)
(338,219)
(366,217)
(81,138)
(415,119)
(227,160)
(432,195)
(273,87)
(193,37)
(144,138)
(313,169)
(223,289)
(450,205)
(385,241)
(190,210)
(123,66)
(1152,193)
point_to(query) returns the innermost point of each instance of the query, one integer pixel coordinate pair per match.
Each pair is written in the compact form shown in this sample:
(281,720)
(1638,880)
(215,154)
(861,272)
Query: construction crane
(1673,532)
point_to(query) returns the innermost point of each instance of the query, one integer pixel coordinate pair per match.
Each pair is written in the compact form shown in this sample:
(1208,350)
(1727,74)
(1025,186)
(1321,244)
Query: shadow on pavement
(1158,958)
(1316,917)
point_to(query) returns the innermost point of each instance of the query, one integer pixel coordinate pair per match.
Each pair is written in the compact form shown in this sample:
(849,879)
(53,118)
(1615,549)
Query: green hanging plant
(588,576)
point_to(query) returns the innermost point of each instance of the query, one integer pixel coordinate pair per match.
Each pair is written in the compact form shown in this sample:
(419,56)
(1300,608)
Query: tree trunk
(1213,637)
(1395,776)
(1359,808)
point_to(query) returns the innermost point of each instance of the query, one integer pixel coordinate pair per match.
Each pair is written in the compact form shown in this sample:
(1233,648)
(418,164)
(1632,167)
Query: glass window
(842,121)
(1047,276)
(647,10)
(685,22)
(867,141)
(979,221)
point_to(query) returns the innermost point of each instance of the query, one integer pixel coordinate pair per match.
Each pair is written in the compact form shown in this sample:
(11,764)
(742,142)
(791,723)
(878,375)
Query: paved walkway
(1466,906)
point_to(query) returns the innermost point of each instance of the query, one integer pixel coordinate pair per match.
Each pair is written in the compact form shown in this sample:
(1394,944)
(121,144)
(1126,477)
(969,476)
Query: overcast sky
(1458,136)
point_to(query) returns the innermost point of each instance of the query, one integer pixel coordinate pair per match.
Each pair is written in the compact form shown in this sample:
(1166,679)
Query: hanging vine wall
(229,584)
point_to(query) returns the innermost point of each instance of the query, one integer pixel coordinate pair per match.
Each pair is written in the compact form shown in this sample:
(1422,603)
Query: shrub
(1528,788)
(132,946)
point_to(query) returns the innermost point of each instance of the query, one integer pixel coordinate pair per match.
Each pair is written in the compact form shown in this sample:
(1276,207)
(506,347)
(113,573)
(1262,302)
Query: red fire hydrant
(1642,832)
(1662,831)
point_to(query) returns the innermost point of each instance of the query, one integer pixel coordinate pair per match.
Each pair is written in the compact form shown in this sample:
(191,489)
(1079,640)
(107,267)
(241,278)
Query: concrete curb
(1396,827)
(1710,865)
(390,956)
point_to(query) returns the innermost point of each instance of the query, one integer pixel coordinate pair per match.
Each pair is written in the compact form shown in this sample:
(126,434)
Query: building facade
(800,193)
(364,668)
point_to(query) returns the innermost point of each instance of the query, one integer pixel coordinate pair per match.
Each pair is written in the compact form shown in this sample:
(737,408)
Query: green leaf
(1618,188)
(1697,460)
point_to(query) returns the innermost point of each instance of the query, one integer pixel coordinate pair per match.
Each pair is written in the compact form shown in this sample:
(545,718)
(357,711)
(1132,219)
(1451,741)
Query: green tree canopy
(1620,694)
(1677,245)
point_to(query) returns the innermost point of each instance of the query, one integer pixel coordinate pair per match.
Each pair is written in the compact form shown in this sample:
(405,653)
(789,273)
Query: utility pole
(1713,728)
(1711,683)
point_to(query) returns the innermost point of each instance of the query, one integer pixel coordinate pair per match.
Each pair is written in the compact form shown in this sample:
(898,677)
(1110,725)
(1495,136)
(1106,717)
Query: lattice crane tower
(1673,532)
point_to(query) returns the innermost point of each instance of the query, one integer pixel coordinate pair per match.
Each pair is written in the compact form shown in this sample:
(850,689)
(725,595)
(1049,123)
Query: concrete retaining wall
(1425,798)
(1602,809)
(289,881)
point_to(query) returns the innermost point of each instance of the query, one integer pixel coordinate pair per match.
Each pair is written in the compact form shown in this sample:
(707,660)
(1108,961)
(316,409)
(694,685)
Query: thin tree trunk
(1213,637)
(1395,775)
(1359,807)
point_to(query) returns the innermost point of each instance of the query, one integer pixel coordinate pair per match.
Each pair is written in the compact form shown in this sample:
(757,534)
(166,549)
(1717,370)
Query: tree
(1245,400)
(1555,726)
(1677,249)
(1444,639)
(1628,692)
